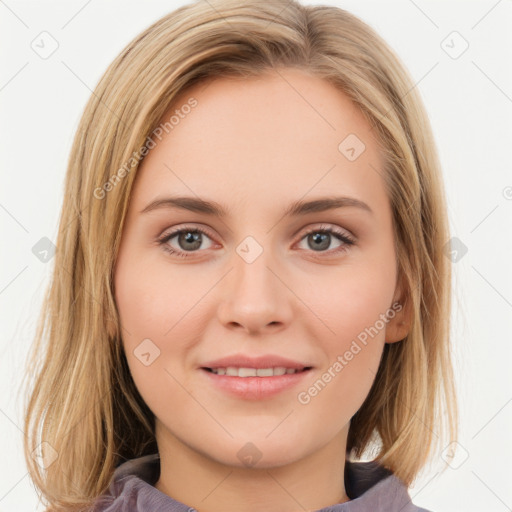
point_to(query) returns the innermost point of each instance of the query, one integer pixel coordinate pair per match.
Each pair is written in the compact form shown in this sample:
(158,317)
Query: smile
(254,383)
(233,371)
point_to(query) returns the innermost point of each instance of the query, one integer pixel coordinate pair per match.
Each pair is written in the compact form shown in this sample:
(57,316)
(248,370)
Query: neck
(312,482)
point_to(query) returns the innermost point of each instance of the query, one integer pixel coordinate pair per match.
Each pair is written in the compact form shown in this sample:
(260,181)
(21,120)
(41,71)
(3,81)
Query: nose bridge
(255,297)
(252,263)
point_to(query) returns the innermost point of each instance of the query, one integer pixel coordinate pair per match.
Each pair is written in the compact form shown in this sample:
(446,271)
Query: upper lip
(265,361)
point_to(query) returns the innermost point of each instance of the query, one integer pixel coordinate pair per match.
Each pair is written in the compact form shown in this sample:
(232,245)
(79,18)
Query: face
(312,286)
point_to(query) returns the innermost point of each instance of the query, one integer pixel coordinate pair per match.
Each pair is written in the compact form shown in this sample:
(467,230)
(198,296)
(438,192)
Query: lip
(265,361)
(254,388)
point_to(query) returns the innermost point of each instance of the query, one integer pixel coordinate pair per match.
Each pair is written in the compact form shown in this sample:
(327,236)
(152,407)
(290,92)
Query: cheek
(351,301)
(148,297)
(158,317)
(351,307)
(147,313)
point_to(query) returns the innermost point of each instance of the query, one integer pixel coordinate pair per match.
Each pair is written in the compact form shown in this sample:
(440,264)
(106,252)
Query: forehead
(279,136)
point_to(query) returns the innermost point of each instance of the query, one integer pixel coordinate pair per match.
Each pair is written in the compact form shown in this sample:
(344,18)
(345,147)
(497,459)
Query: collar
(368,485)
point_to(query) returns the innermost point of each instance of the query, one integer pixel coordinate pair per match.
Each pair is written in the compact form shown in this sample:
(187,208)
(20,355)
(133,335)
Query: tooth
(234,371)
(247,372)
(264,372)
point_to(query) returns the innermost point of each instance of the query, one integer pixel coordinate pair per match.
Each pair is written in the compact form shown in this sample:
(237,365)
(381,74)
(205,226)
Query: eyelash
(347,240)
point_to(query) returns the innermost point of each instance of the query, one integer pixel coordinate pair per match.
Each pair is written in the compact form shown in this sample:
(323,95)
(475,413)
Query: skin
(255,146)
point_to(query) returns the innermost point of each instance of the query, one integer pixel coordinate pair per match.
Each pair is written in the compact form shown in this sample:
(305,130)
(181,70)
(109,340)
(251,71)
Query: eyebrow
(298,208)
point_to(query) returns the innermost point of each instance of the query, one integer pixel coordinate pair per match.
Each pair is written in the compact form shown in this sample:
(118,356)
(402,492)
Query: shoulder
(131,481)
(371,486)
(132,489)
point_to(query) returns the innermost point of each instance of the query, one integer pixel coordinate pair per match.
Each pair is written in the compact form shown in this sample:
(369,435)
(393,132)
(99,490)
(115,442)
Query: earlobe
(396,331)
(399,325)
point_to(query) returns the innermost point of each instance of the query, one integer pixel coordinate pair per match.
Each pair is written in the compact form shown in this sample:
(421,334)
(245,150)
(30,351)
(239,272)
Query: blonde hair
(82,402)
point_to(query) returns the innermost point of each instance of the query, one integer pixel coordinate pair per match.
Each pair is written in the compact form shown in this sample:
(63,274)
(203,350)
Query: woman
(251,369)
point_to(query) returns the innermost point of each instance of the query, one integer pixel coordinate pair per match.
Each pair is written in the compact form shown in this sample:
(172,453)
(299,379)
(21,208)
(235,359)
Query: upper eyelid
(175,231)
(305,231)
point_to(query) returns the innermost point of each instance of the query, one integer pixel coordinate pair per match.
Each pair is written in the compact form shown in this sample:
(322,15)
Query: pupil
(191,238)
(321,240)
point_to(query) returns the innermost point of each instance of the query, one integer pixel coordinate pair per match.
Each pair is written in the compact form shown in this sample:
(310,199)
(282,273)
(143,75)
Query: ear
(399,325)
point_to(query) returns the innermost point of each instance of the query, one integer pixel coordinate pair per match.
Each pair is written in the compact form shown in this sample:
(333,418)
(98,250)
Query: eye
(323,236)
(189,239)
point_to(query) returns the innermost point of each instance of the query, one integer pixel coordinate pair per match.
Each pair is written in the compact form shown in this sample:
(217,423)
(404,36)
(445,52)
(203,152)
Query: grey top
(370,487)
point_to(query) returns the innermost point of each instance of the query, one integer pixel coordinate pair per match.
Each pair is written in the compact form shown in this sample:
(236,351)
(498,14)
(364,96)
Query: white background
(469,100)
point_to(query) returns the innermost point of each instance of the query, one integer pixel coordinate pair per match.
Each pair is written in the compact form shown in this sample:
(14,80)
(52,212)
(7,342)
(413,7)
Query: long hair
(84,415)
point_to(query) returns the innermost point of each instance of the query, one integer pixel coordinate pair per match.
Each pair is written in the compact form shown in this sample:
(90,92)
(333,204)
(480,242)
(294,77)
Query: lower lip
(255,388)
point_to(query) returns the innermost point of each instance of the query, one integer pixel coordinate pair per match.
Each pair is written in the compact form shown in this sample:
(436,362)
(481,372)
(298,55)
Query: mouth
(233,371)
(255,383)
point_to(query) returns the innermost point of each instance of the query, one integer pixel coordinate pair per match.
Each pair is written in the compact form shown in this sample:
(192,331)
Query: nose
(256,298)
